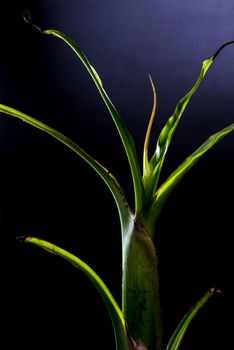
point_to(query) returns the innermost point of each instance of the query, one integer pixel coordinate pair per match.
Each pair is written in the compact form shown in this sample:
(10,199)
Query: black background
(46,191)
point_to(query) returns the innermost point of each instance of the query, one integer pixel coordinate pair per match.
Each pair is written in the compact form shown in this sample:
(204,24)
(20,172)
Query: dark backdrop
(48,192)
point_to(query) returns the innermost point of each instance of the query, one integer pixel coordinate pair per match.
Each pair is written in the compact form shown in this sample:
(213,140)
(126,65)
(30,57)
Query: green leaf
(177,337)
(109,179)
(125,136)
(167,132)
(116,314)
(189,162)
(146,168)
(97,76)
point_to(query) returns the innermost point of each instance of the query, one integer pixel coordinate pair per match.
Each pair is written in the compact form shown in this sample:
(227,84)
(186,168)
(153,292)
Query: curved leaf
(167,132)
(177,337)
(112,306)
(189,162)
(125,136)
(146,168)
(115,188)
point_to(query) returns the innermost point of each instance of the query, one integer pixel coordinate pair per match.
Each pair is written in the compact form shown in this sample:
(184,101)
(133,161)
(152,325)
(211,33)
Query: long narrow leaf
(146,169)
(112,306)
(109,179)
(125,136)
(177,337)
(167,132)
(166,188)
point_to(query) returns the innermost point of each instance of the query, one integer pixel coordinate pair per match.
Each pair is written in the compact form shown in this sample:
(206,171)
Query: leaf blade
(177,175)
(178,335)
(126,137)
(167,132)
(146,168)
(112,306)
(109,179)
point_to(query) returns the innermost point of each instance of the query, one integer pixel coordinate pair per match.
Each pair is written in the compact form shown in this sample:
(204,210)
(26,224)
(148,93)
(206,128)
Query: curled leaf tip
(21,238)
(222,47)
(215,290)
(28,19)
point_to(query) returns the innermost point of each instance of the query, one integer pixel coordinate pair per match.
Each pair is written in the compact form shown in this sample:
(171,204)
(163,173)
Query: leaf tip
(21,238)
(215,290)
(152,83)
(150,77)
(25,239)
(221,48)
(28,19)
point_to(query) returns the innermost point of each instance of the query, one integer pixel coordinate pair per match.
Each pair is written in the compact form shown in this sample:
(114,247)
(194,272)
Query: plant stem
(140,289)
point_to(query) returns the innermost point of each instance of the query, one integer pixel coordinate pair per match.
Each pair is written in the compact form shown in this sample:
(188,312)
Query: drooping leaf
(146,169)
(167,132)
(116,314)
(166,188)
(125,135)
(109,179)
(177,337)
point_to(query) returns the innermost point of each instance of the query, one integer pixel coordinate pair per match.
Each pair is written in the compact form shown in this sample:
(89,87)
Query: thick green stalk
(140,289)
